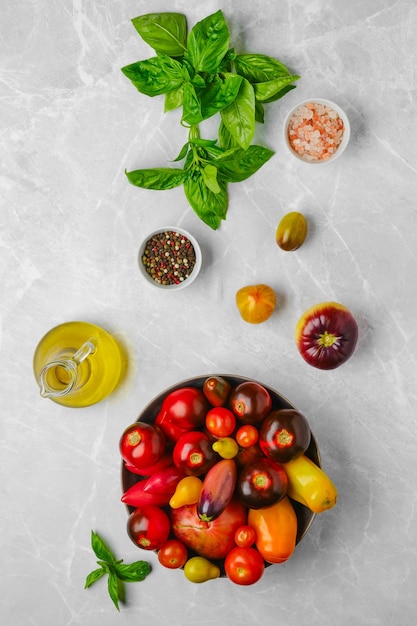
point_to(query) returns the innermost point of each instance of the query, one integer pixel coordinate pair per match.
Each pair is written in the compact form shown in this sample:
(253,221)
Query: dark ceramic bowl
(305,517)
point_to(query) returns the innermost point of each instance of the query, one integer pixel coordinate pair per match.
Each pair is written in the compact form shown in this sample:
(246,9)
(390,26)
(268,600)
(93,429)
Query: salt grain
(315,131)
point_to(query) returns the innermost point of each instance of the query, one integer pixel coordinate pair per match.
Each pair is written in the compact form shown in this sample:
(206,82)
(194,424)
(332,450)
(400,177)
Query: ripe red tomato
(262,483)
(244,566)
(247,435)
(220,422)
(172,554)
(148,527)
(182,410)
(250,402)
(245,536)
(193,453)
(142,444)
(217,390)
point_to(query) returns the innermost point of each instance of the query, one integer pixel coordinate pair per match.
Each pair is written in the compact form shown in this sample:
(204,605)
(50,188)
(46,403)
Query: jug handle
(70,366)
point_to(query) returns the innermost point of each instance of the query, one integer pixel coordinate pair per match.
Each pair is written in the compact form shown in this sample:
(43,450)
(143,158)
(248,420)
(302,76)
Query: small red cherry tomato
(148,527)
(247,435)
(193,453)
(220,422)
(172,554)
(217,390)
(250,402)
(244,566)
(245,536)
(142,444)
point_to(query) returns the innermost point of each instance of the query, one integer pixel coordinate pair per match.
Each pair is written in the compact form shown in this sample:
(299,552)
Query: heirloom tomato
(182,410)
(256,303)
(148,527)
(172,554)
(217,390)
(187,492)
(214,539)
(193,453)
(276,530)
(291,231)
(261,484)
(326,335)
(142,444)
(199,570)
(220,421)
(247,435)
(250,402)
(285,435)
(245,536)
(244,566)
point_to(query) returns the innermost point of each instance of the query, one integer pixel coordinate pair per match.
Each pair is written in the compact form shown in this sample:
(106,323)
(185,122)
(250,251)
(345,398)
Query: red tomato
(245,536)
(220,422)
(148,527)
(244,566)
(250,402)
(172,554)
(247,435)
(182,410)
(193,453)
(142,444)
(217,390)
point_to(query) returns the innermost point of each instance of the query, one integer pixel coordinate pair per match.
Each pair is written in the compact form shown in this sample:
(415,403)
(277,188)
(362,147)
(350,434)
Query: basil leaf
(279,94)
(208,43)
(242,164)
(259,112)
(113,587)
(100,548)
(159,178)
(174,99)
(210,207)
(133,572)
(166,33)
(209,174)
(219,94)
(226,139)
(183,153)
(239,116)
(191,107)
(264,91)
(94,576)
(259,68)
(156,76)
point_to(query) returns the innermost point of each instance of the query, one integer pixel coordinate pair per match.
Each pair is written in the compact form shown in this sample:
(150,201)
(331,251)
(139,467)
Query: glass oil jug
(77,364)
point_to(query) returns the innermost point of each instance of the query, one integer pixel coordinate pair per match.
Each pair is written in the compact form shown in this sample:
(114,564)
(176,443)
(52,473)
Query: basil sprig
(117,571)
(201,74)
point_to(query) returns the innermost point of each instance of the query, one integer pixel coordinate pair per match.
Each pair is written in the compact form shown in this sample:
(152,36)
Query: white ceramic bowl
(345,137)
(192,275)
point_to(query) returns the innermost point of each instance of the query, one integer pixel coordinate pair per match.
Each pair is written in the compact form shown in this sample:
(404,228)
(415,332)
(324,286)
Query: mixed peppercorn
(169,257)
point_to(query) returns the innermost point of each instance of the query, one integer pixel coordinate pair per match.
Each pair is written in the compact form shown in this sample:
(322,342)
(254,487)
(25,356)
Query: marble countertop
(70,229)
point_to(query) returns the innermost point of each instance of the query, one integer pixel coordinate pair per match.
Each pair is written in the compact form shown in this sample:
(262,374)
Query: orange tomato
(276,530)
(256,303)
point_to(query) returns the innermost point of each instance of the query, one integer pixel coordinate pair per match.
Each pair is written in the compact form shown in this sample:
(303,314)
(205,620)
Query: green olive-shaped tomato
(291,231)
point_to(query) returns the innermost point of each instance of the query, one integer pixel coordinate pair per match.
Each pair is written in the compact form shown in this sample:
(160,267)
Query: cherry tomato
(217,390)
(184,408)
(326,335)
(247,435)
(250,402)
(142,444)
(256,303)
(172,554)
(262,483)
(220,422)
(245,536)
(193,453)
(244,566)
(148,527)
(285,435)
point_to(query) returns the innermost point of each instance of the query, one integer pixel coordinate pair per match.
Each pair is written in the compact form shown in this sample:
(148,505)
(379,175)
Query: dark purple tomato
(250,402)
(285,435)
(261,484)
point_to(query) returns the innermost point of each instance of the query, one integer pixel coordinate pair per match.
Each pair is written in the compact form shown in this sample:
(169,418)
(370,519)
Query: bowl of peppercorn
(170,258)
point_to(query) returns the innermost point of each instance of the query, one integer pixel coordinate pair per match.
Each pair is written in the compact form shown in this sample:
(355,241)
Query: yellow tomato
(256,303)
(199,569)
(187,492)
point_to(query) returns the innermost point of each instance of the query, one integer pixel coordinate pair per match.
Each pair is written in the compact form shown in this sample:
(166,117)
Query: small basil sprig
(117,571)
(199,73)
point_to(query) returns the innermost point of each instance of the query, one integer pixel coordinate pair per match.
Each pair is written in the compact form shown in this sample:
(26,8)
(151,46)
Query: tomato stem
(327,339)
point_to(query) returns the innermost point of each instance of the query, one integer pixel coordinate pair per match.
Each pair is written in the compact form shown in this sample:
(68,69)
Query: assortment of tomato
(216,482)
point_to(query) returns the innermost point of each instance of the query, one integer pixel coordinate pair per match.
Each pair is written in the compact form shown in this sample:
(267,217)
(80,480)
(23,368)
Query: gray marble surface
(71,226)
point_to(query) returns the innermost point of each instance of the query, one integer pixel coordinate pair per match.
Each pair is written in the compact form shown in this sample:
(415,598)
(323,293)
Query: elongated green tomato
(291,231)
(198,569)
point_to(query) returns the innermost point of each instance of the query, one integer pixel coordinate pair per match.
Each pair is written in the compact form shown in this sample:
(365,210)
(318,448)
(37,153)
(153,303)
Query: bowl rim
(196,268)
(341,113)
(312,452)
